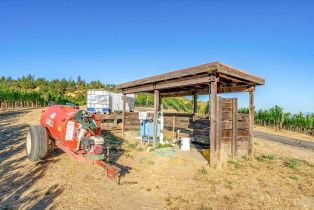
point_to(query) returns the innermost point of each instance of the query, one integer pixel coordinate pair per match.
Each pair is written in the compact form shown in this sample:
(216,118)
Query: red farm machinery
(76,132)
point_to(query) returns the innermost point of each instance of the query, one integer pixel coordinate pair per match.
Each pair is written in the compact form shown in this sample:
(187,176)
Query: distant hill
(183,104)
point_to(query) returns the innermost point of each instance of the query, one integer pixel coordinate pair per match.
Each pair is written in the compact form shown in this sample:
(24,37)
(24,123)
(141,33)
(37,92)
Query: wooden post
(156,109)
(115,121)
(218,132)
(194,104)
(234,141)
(159,102)
(173,126)
(123,114)
(161,109)
(251,120)
(213,122)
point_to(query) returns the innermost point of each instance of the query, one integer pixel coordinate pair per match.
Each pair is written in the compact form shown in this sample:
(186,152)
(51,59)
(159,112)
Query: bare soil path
(284,133)
(285,140)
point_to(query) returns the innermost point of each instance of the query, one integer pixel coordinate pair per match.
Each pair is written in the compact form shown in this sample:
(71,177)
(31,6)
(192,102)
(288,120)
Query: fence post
(251,120)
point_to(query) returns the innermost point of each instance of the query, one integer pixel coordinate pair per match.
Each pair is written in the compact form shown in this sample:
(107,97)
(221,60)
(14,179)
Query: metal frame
(111,171)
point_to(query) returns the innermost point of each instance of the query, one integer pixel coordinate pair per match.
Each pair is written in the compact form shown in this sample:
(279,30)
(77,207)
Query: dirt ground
(285,133)
(279,177)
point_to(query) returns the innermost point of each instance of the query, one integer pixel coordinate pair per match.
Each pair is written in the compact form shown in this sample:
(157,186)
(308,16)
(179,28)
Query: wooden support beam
(233,72)
(138,89)
(209,69)
(156,109)
(173,126)
(160,101)
(194,104)
(251,120)
(230,78)
(204,91)
(178,93)
(233,89)
(218,132)
(184,82)
(182,92)
(189,81)
(123,114)
(213,122)
(201,69)
(234,142)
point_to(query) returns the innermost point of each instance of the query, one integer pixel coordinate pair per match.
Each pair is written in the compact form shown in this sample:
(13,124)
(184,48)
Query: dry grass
(282,150)
(285,133)
(279,177)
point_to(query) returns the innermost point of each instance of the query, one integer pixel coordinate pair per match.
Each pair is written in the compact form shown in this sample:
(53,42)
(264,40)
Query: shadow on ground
(17,174)
(114,144)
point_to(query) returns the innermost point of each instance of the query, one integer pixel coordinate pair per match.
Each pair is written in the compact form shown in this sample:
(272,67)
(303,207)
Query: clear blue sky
(119,41)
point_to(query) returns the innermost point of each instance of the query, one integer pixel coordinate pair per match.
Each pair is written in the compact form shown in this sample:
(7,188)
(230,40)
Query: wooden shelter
(211,78)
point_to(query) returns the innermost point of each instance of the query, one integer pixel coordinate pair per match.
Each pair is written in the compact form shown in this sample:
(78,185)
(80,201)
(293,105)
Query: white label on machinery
(69,131)
(53,115)
(49,122)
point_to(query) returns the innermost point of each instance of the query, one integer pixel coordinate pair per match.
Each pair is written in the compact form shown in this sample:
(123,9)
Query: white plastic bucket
(185,144)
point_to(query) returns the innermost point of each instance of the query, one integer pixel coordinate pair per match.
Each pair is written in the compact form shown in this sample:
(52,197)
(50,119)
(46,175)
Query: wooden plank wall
(131,121)
(201,129)
(226,128)
(197,126)
(180,121)
(243,134)
(242,130)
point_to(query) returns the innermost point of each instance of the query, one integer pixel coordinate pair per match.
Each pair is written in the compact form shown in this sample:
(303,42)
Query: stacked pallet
(179,121)
(201,125)
(243,134)
(131,121)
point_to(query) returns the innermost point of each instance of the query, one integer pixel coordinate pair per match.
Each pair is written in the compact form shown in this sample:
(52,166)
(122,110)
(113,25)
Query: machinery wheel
(37,143)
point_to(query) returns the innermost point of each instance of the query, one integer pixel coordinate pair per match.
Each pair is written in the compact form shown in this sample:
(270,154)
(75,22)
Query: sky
(120,41)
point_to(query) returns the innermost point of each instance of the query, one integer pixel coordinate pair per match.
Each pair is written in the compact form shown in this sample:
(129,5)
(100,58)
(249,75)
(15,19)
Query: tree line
(28,91)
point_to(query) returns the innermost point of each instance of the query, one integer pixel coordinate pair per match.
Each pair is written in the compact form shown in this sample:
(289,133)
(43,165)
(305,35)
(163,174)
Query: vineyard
(183,104)
(28,92)
(276,117)
(17,99)
(273,117)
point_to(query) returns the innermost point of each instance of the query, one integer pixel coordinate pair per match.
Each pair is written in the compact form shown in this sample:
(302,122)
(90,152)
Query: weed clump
(294,164)
(264,158)
(293,177)
(132,146)
(140,149)
(136,129)
(203,170)
(235,163)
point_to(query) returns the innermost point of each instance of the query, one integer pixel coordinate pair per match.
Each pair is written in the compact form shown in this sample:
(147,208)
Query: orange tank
(62,126)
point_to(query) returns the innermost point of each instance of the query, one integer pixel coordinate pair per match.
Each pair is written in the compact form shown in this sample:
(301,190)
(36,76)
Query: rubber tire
(39,147)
